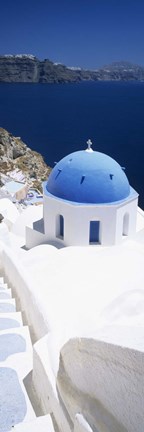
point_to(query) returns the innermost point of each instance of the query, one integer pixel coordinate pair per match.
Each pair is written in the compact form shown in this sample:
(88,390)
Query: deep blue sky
(86,33)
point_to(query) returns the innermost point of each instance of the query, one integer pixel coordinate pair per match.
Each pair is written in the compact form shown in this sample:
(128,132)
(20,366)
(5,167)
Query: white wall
(77,219)
(131,209)
(25,292)
(33,238)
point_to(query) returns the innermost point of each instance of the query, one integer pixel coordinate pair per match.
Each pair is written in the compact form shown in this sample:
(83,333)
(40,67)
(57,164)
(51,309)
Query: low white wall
(34,238)
(104,379)
(44,384)
(24,291)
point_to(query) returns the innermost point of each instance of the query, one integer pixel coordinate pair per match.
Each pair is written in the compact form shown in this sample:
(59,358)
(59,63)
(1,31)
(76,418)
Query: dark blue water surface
(56,119)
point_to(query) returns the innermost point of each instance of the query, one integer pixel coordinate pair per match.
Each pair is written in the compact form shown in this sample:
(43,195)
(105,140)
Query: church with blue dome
(87,201)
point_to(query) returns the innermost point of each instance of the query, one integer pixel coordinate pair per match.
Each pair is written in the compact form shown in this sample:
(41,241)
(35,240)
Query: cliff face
(18,69)
(14,153)
(27,68)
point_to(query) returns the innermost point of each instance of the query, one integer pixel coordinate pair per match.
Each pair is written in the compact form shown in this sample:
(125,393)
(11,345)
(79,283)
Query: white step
(5,293)
(10,320)
(16,350)
(14,341)
(3,286)
(16,363)
(40,424)
(7,305)
(15,406)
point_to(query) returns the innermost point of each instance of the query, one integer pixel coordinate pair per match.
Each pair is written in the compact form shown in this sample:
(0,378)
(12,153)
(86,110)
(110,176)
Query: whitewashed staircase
(16,355)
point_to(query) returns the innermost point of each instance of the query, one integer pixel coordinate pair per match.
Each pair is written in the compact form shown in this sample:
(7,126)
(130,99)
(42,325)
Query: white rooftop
(12,187)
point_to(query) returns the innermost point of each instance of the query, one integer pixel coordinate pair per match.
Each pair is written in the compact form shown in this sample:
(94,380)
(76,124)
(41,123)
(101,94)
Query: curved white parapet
(44,384)
(104,379)
(100,378)
(24,290)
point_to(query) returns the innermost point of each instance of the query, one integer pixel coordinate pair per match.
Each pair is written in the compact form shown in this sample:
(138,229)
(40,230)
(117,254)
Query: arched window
(125,224)
(60,227)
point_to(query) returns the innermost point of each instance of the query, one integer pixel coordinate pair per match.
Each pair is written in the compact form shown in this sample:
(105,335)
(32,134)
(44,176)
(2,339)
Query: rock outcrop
(27,68)
(14,154)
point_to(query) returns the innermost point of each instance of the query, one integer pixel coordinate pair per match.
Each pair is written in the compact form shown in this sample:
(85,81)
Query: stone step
(40,424)
(15,406)
(5,293)
(10,320)
(7,305)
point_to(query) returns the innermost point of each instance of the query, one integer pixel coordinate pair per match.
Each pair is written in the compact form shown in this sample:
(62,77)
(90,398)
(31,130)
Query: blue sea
(57,119)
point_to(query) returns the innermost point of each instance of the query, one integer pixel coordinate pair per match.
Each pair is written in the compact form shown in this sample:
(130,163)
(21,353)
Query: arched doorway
(125,230)
(60,227)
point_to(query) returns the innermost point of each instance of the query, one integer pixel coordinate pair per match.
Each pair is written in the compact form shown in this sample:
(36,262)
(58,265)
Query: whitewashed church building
(87,200)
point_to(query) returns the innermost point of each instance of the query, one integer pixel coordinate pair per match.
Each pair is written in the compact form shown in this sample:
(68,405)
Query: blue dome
(88,177)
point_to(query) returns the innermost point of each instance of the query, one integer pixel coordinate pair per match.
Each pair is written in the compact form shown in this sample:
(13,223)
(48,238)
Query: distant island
(26,68)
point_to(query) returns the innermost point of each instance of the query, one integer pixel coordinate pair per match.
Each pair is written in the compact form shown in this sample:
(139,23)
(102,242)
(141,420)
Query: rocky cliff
(14,154)
(27,68)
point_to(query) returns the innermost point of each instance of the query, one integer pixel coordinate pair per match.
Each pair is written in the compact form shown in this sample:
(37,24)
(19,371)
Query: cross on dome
(89,143)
